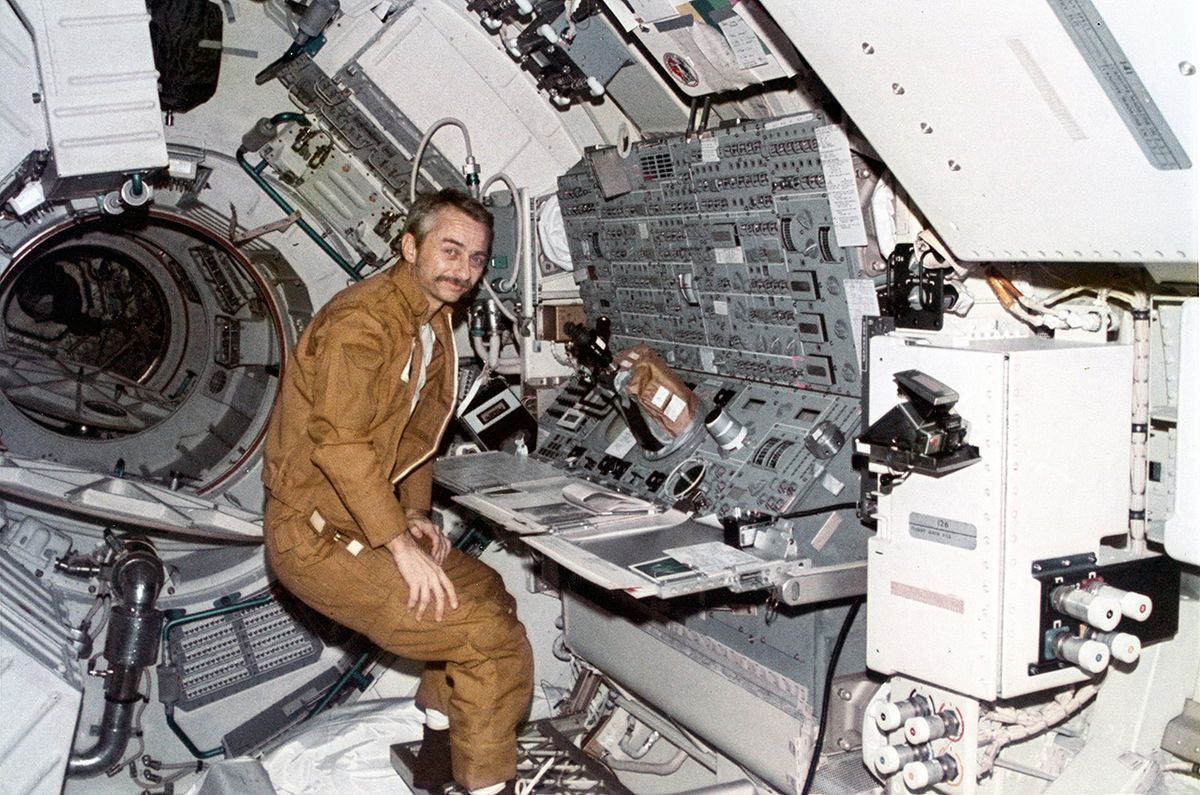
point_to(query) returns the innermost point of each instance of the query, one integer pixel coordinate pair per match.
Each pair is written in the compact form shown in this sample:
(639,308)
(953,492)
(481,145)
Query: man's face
(451,258)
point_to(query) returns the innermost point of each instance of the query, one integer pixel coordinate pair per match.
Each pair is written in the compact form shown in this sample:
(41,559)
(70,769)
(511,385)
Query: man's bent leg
(486,683)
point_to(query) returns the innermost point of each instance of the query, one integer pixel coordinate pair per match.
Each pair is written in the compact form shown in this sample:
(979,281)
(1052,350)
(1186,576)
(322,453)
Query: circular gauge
(686,478)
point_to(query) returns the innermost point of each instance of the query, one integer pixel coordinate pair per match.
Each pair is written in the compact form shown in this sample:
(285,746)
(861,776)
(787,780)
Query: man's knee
(481,593)
(498,632)
(493,583)
(498,636)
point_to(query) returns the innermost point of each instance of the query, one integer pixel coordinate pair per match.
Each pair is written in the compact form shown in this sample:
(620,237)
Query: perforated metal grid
(217,657)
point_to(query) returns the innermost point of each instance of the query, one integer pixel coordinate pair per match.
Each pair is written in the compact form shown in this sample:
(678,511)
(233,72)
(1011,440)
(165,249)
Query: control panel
(719,250)
(766,448)
(568,48)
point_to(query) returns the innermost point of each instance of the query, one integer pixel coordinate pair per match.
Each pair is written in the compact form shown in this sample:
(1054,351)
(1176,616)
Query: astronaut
(348,468)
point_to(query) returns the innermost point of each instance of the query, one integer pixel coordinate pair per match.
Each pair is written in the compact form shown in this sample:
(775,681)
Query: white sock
(491,789)
(437,721)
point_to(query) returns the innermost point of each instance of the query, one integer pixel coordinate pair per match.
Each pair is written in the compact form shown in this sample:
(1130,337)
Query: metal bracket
(237,238)
(915,299)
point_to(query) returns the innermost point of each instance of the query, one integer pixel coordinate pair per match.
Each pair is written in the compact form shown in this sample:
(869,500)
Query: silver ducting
(135,575)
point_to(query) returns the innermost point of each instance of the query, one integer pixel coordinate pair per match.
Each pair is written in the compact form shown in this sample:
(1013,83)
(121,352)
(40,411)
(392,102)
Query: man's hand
(421,526)
(425,578)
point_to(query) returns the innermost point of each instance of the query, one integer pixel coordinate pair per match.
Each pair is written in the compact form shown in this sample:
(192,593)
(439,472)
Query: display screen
(493,412)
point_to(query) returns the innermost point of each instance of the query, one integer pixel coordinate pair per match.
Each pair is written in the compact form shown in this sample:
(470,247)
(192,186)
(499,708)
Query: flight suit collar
(415,300)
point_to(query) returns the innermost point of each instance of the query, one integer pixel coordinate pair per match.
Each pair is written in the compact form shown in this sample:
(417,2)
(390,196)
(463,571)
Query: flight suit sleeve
(352,352)
(416,490)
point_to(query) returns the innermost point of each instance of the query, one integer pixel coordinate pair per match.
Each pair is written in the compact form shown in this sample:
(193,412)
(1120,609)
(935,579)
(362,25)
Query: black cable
(840,506)
(833,661)
(732,523)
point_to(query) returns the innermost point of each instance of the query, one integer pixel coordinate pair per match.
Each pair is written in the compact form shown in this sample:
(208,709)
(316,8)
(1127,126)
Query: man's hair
(424,210)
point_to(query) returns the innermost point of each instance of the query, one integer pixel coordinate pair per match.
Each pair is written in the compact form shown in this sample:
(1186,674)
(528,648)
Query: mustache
(464,285)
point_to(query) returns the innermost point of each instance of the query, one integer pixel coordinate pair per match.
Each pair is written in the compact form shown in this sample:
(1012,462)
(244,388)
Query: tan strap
(318,523)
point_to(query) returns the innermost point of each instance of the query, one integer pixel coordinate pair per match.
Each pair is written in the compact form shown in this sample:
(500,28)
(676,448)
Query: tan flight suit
(339,437)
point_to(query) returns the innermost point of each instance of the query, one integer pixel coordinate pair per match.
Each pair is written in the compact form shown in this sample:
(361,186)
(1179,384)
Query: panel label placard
(1121,83)
(942,531)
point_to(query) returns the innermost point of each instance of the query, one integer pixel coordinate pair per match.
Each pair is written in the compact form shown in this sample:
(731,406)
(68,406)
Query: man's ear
(408,248)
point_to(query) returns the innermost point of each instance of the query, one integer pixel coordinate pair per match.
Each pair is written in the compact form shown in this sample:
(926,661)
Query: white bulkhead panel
(21,131)
(1019,134)
(435,65)
(99,85)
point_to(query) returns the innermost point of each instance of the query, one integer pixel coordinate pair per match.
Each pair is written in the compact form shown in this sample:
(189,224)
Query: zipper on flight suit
(449,413)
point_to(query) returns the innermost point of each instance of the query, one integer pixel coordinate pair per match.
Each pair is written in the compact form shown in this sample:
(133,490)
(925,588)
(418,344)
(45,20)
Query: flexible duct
(130,646)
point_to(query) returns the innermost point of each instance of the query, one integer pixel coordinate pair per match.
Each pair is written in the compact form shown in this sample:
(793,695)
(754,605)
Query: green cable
(351,672)
(465,539)
(216,611)
(289,115)
(187,741)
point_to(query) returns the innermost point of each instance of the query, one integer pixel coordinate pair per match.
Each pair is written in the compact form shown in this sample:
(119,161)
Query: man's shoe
(431,770)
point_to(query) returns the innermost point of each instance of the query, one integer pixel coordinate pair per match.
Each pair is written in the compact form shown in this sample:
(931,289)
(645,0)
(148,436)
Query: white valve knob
(920,775)
(1121,645)
(136,194)
(890,715)
(917,730)
(548,33)
(524,6)
(1101,612)
(888,760)
(1133,604)
(491,23)
(510,44)
(111,203)
(891,758)
(922,729)
(1090,655)
(595,87)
